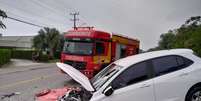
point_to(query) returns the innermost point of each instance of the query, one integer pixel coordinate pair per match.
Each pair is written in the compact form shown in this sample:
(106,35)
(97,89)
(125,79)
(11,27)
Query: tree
(2,15)
(47,40)
(193,21)
(187,36)
(167,40)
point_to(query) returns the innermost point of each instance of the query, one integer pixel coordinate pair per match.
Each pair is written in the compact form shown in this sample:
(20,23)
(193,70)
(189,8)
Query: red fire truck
(90,50)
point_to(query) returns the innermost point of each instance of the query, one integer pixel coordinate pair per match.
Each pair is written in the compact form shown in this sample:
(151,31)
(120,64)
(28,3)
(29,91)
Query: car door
(133,84)
(171,78)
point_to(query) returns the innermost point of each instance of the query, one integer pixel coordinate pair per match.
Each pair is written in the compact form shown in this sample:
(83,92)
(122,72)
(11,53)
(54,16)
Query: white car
(168,75)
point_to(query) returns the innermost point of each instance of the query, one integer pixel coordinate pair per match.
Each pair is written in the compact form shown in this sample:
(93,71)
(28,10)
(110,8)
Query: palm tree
(2,15)
(48,39)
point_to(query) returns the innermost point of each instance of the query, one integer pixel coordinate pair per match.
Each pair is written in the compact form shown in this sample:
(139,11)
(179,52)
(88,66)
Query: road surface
(30,81)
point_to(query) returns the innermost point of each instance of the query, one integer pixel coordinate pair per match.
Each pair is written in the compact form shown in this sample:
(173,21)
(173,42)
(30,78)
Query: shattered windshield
(105,75)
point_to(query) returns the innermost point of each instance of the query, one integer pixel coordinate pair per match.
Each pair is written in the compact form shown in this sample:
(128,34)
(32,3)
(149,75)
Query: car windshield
(78,48)
(104,75)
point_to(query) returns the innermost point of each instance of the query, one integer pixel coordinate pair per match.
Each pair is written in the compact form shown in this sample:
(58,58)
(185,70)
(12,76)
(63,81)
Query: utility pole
(75,19)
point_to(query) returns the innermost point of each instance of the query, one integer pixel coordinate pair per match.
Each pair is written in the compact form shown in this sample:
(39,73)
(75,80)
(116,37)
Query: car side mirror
(108,91)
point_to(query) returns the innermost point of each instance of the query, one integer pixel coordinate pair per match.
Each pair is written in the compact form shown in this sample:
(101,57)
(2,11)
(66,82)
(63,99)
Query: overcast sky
(141,19)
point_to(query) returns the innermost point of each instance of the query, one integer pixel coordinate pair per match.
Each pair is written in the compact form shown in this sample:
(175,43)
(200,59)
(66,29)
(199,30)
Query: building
(18,42)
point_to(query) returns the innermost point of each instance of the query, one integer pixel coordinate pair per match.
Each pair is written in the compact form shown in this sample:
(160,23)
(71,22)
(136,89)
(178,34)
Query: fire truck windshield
(78,48)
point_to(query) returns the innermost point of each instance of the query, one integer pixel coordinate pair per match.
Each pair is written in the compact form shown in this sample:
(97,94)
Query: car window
(169,64)
(180,61)
(133,74)
(187,62)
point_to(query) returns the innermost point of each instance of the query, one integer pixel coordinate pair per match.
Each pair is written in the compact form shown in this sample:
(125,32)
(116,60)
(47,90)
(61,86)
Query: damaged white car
(168,75)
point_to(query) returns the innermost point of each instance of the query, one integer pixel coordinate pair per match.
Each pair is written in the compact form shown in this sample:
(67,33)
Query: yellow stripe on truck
(123,40)
(103,59)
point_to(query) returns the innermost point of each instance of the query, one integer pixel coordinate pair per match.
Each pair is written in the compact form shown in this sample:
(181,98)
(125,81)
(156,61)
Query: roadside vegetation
(22,54)
(28,54)
(186,36)
(48,43)
(5,56)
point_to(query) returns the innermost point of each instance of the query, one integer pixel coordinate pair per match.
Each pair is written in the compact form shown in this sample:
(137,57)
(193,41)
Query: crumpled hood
(76,75)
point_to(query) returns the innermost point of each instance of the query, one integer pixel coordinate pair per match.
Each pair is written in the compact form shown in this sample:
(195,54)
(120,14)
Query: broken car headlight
(71,96)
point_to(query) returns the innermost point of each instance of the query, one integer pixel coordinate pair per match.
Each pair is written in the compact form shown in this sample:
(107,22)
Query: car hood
(76,75)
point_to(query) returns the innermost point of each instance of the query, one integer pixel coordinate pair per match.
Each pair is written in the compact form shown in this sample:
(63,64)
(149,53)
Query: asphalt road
(31,81)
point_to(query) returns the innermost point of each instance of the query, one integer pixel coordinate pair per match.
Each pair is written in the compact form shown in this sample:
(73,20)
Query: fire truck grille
(76,64)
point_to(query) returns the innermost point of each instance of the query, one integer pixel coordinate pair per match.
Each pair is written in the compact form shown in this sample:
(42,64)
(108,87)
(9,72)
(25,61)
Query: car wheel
(194,94)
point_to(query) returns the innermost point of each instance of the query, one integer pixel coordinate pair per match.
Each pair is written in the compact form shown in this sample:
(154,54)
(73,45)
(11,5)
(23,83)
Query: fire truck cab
(90,50)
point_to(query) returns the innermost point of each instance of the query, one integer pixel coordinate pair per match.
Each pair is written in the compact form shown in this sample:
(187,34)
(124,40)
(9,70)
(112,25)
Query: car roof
(130,60)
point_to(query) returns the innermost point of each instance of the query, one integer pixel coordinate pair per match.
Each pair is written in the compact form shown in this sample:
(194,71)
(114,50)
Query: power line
(48,8)
(35,15)
(26,22)
(85,22)
(75,19)
(25,18)
(51,10)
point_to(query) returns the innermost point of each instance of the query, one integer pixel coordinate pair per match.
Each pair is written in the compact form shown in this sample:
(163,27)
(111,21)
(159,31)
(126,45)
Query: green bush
(5,55)
(43,58)
(27,54)
(22,54)
(57,55)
